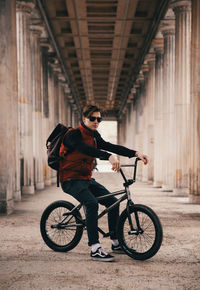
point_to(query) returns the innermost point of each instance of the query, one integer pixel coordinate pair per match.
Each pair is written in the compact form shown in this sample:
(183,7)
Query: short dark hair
(89,110)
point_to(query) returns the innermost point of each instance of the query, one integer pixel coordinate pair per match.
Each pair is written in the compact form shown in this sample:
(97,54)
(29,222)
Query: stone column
(148,70)
(168,31)
(73,117)
(25,95)
(195,105)
(69,114)
(182,11)
(61,105)
(158,113)
(45,105)
(122,131)
(51,92)
(128,123)
(134,121)
(150,94)
(37,107)
(141,130)
(132,127)
(56,92)
(8,106)
(52,98)
(67,106)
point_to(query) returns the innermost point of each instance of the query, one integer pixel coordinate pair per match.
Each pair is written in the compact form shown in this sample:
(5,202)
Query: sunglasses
(92,119)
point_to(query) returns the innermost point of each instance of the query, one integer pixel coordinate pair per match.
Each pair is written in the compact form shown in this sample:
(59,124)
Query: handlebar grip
(137,159)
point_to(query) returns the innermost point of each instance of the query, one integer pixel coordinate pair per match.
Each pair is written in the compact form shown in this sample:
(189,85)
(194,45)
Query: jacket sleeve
(73,140)
(117,149)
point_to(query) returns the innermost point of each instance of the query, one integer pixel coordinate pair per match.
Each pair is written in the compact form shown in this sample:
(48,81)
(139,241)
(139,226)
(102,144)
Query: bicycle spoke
(140,242)
(60,229)
(64,235)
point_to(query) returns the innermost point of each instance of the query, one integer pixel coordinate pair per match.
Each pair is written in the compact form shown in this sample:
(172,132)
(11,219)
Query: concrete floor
(27,263)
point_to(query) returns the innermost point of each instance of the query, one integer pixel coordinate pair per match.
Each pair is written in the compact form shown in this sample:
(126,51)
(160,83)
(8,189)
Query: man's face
(88,121)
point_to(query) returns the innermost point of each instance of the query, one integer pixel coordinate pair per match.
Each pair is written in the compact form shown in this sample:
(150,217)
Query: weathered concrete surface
(27,263)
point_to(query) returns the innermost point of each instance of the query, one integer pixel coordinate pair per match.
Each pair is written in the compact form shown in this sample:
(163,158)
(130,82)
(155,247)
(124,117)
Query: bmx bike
(139,229)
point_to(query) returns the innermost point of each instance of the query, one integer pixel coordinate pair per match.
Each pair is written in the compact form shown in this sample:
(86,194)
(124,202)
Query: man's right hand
(115,162)
(143,157)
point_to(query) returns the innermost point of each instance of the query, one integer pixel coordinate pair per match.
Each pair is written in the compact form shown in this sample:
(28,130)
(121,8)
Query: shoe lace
(102,251)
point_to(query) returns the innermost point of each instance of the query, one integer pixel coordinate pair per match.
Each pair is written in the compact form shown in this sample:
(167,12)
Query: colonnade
(165,104)
(161,118)
(35,96)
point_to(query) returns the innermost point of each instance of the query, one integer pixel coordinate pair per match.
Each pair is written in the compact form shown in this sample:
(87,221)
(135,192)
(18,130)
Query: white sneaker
(101,255)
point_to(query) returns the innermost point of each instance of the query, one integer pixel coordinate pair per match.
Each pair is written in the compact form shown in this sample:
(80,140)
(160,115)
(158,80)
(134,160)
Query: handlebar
(130,181)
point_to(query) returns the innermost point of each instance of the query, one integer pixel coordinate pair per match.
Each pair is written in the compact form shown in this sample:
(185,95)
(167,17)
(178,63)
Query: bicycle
(139,229)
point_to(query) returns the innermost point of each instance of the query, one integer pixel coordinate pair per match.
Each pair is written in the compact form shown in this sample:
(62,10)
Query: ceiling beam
(57,49)
(158,15)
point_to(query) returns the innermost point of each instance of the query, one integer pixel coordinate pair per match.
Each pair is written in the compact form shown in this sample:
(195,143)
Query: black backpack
(53,144)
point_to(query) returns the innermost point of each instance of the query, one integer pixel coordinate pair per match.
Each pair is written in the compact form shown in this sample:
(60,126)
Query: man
(82,146)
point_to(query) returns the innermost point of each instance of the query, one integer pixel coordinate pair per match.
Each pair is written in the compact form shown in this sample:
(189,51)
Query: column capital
(130,98)
(150,58)
(158,45)
(67,89)
(124,111)
(181,5)
(45,44)
(133,90)
(74,107)
(61,78)
(56,68)
(167,28)
(136,85)
(145,68)
(70,99)
(167,25)
(36,22)
(24,6)
(140,77)
(36,29)
(52,59)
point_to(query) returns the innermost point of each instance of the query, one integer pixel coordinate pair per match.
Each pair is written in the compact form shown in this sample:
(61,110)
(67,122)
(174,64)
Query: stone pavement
(27,263)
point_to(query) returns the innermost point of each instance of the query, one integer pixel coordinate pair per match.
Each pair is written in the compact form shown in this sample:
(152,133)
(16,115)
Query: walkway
(27,263)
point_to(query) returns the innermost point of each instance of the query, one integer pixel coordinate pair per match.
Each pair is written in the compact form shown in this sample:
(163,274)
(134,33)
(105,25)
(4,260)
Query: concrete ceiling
(102,44)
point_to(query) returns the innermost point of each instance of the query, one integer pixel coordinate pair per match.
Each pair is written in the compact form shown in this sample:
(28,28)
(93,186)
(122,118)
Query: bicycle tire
(60,239)
(146,243)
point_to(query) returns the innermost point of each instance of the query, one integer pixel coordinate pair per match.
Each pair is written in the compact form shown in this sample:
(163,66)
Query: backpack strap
(57,178)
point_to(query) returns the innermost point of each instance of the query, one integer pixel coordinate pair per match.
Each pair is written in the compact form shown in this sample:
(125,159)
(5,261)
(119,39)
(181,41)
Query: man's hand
(115,162)
(143,157)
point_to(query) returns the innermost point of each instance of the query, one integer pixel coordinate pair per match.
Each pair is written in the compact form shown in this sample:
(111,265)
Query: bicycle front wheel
(143,240)
(61,230)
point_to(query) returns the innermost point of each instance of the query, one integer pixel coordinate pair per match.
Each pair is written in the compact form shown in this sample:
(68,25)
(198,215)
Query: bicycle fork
(132,231)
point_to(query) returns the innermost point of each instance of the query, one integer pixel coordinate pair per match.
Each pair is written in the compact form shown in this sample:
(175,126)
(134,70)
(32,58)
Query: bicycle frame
(126,195)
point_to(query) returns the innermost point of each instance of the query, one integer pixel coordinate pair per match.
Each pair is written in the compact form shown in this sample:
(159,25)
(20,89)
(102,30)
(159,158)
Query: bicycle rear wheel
(144,241)
(61,230)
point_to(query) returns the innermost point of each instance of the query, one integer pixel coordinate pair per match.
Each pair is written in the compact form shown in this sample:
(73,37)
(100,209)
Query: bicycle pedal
(133,232)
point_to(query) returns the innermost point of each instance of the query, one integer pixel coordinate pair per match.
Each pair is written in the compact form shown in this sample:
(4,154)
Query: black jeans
(86,191)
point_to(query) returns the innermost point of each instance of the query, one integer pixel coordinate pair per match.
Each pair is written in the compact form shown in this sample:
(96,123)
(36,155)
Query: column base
(6,206)
(194,198)
(39,186)
(150,182)
(157,184)
(182,192)
(53,180)
(166,188)
(47,182)
(17,195)
(28,189)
